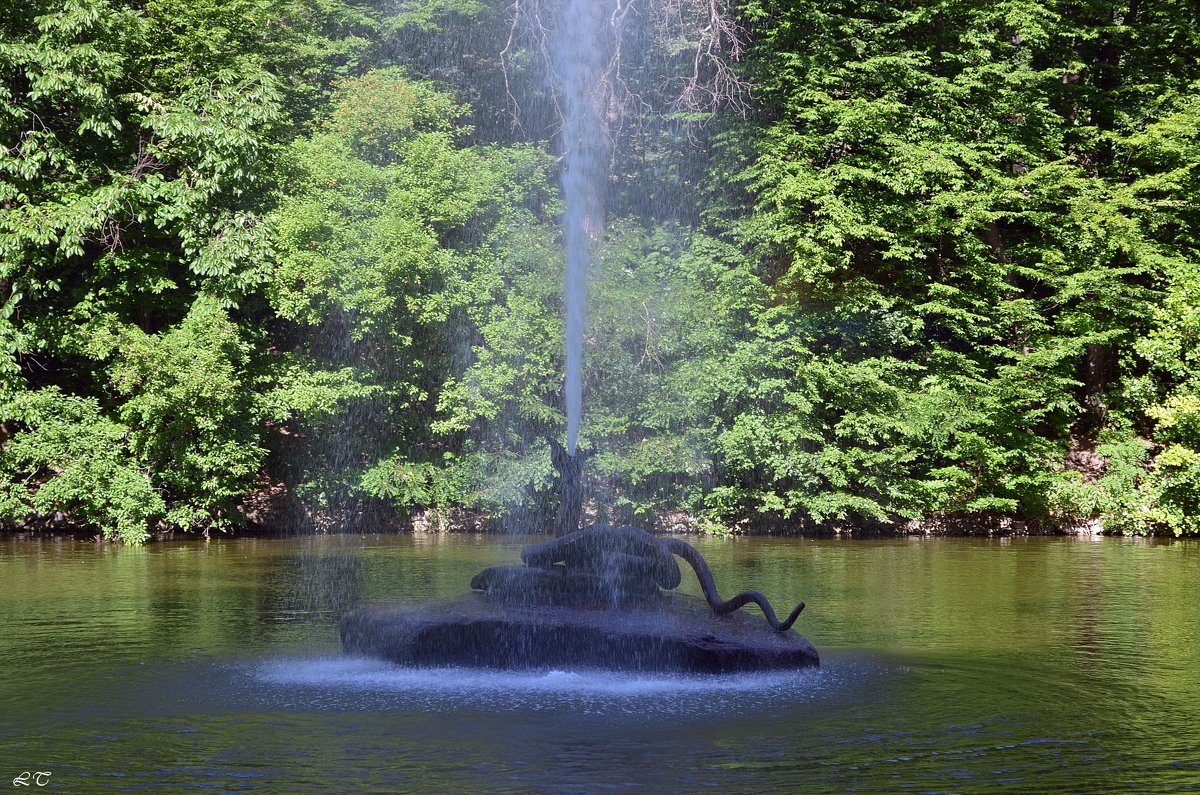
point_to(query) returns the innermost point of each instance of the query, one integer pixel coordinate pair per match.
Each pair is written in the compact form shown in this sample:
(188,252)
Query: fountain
(595,598)
(598,596)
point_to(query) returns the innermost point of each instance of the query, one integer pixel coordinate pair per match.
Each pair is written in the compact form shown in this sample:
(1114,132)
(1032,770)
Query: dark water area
(1010,665)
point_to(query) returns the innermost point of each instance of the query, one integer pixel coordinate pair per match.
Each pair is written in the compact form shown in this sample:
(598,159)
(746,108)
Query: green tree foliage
(960,214)
(187,395)
(947,266)
(135,151)
(665,310)
(387,227)
(70,459)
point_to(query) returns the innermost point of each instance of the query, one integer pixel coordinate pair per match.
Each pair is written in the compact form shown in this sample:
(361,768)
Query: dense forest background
(295,264)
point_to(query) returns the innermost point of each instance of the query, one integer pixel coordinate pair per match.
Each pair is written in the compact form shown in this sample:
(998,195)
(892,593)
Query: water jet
(600,596)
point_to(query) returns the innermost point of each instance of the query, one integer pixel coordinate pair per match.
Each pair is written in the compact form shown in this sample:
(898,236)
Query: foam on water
(350,679)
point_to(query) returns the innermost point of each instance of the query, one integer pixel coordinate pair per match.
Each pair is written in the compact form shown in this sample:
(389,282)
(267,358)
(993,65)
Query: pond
(1001,665)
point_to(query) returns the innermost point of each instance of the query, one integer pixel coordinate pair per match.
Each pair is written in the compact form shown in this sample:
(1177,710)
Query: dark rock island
(595,598)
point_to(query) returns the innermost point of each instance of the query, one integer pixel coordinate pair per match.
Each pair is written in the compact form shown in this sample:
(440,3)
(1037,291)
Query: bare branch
(694,44)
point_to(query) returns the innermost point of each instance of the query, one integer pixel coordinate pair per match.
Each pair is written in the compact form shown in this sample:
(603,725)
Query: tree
(954,250)
(135,164)
(387,226)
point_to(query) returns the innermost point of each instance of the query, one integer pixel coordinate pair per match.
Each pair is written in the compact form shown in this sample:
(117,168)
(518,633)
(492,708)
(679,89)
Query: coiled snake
(624,551)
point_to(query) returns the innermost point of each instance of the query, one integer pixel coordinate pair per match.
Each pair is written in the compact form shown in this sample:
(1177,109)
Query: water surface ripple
(1024,665)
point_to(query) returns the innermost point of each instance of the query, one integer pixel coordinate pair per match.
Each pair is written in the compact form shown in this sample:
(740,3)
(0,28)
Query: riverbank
(460,522)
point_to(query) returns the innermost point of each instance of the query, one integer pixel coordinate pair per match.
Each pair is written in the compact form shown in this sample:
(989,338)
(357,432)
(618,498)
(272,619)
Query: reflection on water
(1029,665)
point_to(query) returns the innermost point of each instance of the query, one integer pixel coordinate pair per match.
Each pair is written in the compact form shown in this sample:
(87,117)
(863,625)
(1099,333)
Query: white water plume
(578,60)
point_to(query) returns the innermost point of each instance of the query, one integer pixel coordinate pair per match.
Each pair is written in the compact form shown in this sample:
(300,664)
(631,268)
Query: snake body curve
(723,607)
(631,550)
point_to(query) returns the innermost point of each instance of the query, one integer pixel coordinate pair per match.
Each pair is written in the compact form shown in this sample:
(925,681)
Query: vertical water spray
(578,62)
(592,597)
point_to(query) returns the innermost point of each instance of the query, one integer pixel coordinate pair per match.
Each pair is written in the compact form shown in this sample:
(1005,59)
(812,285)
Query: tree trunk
(570,475)
(1098,367)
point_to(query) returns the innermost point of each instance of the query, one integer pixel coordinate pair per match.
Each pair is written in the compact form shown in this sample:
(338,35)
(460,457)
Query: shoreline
(959,527)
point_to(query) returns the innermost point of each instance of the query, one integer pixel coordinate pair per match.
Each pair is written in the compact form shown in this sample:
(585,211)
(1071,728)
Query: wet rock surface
(669,633)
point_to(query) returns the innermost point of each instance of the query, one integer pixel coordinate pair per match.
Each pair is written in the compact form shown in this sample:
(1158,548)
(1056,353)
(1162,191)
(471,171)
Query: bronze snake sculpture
(720,607)
(620,551)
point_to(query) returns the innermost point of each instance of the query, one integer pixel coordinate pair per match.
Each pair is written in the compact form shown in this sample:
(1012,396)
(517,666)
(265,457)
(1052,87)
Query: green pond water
(1008,665)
